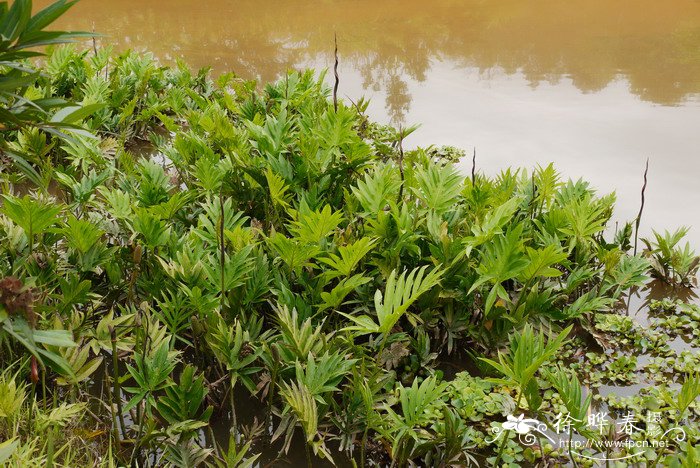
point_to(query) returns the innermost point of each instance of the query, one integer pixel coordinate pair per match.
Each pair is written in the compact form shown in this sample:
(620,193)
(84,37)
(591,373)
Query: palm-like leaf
(348,256)
(228,345)
(32,215)
(501,260)
(323,374)
(419,405)
(182,402)
(302,403)
(399,294)
(313,226)
(377,189)
(688,393)
(571,393)
(438,186)
(528,351)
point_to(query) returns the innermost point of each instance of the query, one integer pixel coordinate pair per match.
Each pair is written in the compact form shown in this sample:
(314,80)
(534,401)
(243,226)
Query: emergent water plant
(166,236)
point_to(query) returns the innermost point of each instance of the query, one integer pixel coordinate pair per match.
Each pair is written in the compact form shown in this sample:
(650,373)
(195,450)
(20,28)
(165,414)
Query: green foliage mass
(201,233)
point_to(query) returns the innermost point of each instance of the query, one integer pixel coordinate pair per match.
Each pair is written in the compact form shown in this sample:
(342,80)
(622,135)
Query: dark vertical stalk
(140,408)
(273,384)
(474,166)
(533,203)
(308,452)
(117,395)
(335,73)
(571,454)
(363,449)
(641,208)
(113,413)
(43,387)
(94,41)
(31,407)
(222,248)
(50,448)
(234,419)
(401,136)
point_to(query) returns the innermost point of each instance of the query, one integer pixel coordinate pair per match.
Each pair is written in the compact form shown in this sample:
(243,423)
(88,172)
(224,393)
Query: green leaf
(33,216)
(60,338)
(14,81)
(377,189)
(398,296)
(81,234)
(135,400)
(364,324)
(26,168)
(341,290)
(301,401)
(541,262)
(349,256)
(72,114)
(58,363)
(15,20)
(313,226)
(438,186)
(7,448)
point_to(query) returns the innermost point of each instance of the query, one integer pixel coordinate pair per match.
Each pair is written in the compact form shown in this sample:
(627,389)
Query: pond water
(594,86)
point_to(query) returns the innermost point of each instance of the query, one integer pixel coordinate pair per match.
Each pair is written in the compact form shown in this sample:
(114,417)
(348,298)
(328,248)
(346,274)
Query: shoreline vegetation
(208,272)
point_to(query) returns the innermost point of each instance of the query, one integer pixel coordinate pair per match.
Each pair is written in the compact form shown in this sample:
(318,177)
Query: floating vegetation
(177,251)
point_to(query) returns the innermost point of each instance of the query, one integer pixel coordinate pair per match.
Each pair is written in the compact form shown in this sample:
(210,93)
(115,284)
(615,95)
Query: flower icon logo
(520,424)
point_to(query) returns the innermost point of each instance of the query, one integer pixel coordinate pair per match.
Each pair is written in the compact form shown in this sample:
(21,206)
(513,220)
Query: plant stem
(117,385)
(222,249)
(43,385)
(474,167)
(335,73)
(308,452)
(571,455)
(641,208)
(137,442)
(113,413)
(401,155)
(234,419)
(382,346)
(140,410)
(268,417)
(363,446)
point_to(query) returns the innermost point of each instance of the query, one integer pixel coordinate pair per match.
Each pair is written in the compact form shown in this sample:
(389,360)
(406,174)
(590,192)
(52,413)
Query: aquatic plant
(669,261)
(217,232)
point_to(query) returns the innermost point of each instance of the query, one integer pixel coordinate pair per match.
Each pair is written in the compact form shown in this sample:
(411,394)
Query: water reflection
(653,45)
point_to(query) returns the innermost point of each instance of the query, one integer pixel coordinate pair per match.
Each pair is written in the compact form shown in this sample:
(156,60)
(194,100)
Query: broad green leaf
(33,216)
(72,114)
(7,448)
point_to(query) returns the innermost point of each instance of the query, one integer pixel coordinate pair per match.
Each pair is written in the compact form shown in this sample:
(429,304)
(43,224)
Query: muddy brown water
(594,86)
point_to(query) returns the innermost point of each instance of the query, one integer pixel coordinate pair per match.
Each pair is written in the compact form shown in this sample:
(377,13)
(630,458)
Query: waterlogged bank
(284,282)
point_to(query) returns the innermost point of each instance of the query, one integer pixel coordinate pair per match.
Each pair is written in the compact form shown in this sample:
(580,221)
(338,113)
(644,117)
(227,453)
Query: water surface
(595,86)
